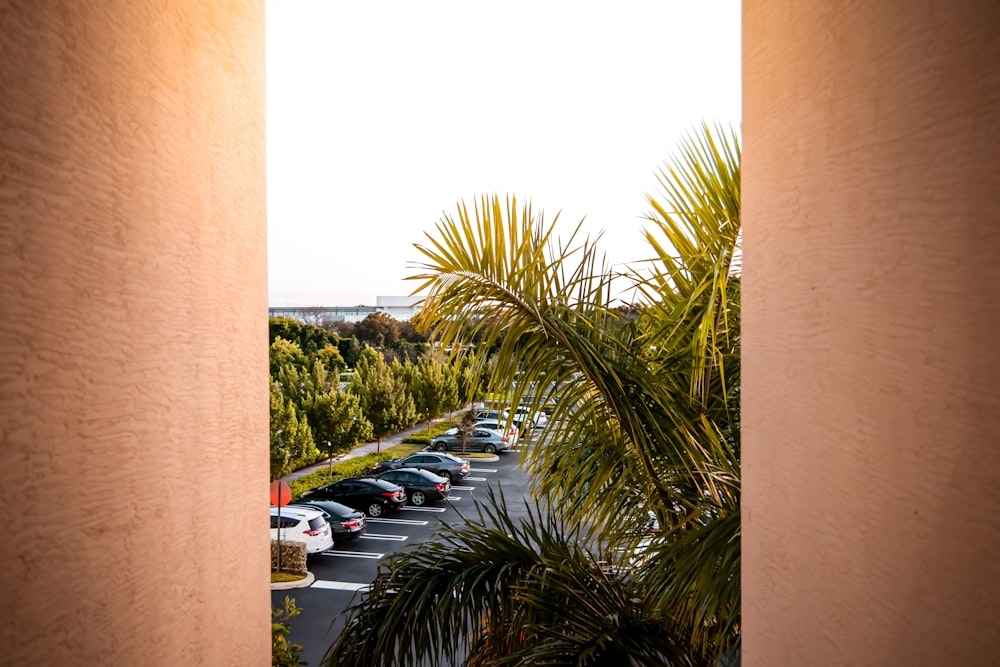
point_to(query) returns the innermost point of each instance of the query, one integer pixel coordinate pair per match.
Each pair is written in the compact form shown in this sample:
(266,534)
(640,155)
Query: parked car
(374,497)
(439,463)
(421,486)
(508,433)
(480,440)
(521,418)
(302,524)
(346,523)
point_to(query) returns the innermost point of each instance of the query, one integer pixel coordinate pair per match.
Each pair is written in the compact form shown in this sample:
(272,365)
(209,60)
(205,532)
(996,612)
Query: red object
(281,493)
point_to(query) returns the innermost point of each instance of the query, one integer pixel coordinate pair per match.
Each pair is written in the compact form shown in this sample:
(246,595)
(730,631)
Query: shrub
(424,436)
(293,556)
(284,654)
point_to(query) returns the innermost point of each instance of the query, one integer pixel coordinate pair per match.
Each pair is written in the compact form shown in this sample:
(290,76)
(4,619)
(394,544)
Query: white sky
(383,115)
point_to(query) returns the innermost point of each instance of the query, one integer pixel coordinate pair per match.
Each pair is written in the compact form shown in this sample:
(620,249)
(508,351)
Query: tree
(283,652)
(313,315)
(308,337)
(433,385)
(291,437)
(285,353)
(646,399)
(383,396)
(378,330)
(465,428)
(469,382)
(332,361)
(350,348)
(338,422)
(409,333)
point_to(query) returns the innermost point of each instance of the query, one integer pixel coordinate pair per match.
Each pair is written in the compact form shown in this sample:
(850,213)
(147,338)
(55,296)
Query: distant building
(399,307)
(396,307)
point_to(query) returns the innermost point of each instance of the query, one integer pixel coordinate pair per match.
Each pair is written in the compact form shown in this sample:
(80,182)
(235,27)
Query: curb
(301,583)
(487,459)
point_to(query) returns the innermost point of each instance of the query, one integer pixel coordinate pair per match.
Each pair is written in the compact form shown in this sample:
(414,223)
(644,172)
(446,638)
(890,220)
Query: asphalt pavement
(347,570)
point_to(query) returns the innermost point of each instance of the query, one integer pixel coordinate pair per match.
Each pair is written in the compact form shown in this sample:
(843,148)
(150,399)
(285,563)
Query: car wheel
(490,448)
(441,447)
(530,426)
(418,498)
(375,510)
(446,474)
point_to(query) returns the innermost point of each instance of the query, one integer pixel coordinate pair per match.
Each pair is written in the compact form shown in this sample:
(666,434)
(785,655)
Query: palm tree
(646,420)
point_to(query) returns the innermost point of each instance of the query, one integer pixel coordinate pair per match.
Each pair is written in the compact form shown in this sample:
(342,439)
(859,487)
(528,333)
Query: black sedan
(421,486)
(439,463)
(346,523)
(374,497)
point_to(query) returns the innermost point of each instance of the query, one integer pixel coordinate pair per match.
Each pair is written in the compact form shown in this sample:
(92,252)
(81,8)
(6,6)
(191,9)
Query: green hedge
(354,467)
(434,430)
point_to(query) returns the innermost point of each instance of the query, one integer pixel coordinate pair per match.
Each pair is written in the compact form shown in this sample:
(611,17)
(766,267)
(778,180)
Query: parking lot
(346,571)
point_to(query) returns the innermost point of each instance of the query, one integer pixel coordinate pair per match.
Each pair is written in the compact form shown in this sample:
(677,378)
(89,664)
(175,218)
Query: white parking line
(422,509)
(476,479)
(353,554)
(463,488)
(454,497)
(405,522)
(377,536)
(340,585)
(482,470)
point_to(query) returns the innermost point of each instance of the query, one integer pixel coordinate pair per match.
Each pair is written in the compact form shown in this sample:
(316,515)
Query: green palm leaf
(646,419)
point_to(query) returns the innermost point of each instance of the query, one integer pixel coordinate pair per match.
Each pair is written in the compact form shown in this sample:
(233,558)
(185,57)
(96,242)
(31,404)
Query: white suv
(302,524)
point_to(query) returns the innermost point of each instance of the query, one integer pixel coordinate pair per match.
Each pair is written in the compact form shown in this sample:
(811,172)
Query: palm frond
(503,592)
(647,419)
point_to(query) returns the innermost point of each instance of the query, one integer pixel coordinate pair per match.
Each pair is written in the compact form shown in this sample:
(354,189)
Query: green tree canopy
(286,354)
(308,337)
(291,437)
(382,394)
(378,330)
(338,423)
(332,360)
(433,386)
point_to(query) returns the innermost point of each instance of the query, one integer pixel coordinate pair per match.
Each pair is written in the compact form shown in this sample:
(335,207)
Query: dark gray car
(480,440)
(439,463)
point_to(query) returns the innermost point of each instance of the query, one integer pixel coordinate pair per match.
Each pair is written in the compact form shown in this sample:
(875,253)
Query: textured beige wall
(871,414)
(134,411)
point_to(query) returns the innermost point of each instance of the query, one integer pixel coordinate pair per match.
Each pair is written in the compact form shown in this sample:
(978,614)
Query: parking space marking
(340,585)
(422,509)
(353,554)
(379,536)
(463,488)
(482,470)
(476,479)
(454,497)
(405,522)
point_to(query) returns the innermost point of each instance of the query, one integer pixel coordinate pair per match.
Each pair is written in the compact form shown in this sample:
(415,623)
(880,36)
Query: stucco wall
(133,466)
(871,391)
